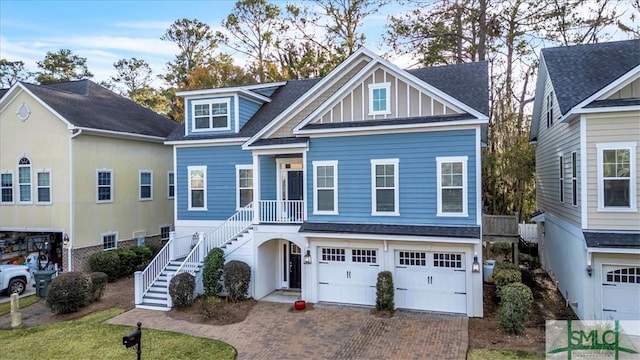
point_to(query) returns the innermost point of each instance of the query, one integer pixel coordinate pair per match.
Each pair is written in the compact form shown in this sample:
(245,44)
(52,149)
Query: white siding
(607,128)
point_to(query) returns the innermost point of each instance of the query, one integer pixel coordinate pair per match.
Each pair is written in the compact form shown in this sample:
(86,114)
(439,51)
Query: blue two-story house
(321,184)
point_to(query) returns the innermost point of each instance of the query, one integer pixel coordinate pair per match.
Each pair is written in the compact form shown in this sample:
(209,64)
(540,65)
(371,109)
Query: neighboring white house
(586,127)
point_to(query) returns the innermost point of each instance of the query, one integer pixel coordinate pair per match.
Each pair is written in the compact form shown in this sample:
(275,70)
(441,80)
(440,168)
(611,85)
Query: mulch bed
(223,313)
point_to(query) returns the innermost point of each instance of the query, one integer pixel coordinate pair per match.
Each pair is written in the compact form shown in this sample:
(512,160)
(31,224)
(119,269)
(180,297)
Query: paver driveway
(274,331)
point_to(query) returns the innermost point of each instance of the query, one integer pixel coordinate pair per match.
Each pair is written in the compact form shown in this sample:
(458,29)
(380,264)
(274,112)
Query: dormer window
(550,109)
(211,115)
(380,99)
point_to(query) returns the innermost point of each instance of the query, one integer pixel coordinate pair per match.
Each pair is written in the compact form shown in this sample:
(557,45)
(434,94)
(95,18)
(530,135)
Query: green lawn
(5,308)
(89,338)
(486,354)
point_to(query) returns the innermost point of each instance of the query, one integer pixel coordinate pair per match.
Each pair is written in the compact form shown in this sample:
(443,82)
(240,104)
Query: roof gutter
(119,134)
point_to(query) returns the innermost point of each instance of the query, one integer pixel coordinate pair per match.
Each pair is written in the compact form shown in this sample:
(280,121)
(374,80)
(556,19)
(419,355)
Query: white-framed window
(549,111)
(244,185)
(333,254)
(574,178)
(412,258)
(171,185)
(24,181)
(110,240)
(146,185)
(165,230)
(211,114)
(6,188)
(452,186)
(197,187)
(43,180)
(448,260)
(104,185)
(380,99)
(384,187)
(325,187)
(617,176)
(561,179)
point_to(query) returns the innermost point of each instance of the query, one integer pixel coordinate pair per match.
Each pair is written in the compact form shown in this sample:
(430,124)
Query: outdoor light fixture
(589,270)
(65,240)
(476,265)
(307,257)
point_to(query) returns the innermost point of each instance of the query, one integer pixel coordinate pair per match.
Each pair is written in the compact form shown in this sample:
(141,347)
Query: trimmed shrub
(532,262)
(69,292)
(155,249)
(502,248)
(384,291)
(127,262)
(208,308)
(144,255)
(98,285)
(505,265)
(505,277)
(212,272)
(515,302)
(237,276)
(181,289)
(107,262)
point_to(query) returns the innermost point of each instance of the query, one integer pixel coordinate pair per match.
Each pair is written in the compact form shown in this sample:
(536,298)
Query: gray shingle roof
(88,105)
(280,141)
(577,72)
(612,239)
(470,232)
(2,92)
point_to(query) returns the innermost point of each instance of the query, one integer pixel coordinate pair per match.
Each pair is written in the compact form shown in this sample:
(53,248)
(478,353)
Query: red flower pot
(300,305)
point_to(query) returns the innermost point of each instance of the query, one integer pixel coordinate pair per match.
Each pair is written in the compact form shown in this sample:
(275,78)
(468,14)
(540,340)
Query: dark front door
(295,259)
(294,184)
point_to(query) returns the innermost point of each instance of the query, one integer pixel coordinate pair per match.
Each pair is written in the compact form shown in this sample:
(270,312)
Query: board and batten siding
(405,101)
(417,154)
(232,116)
(608,128)
(247,108)
(221,164)
(560,139)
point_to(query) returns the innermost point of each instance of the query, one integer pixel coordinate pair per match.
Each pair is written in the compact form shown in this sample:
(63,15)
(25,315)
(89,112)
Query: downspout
(71,199)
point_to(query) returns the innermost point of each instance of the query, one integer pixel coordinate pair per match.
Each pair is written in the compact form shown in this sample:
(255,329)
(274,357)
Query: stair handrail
(192,261)
(230,228)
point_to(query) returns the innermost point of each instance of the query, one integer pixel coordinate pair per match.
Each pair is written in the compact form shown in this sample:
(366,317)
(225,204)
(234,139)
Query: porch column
(305,171)
(256,188)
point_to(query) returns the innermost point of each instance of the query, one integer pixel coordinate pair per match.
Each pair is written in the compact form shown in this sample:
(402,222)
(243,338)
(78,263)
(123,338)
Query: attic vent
(23,112)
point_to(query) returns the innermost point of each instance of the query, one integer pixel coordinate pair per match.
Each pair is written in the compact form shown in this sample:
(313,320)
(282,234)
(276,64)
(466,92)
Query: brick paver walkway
(273,331)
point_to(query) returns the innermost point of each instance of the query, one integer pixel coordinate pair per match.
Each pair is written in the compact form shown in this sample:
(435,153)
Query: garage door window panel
(333,254)
(447,260)
(626,275)
(412,258)
(364,256)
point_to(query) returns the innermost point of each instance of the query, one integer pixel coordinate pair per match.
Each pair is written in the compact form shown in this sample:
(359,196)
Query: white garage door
(434,281)
(348,275)
(620,293)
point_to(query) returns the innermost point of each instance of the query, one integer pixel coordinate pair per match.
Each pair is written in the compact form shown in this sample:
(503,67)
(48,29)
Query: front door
(295,259)
(294,185)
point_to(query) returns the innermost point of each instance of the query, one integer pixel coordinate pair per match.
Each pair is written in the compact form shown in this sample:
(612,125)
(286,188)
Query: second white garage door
(434,281)
(348,275)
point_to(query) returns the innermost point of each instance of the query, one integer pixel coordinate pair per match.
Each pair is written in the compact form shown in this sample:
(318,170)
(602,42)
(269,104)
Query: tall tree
(133,73)
(252,27)
(12,72)
(62,66)
(196,43)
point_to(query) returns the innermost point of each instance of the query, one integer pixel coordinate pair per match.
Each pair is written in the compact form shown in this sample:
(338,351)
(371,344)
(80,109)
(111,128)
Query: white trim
(583,173)
(618,251)
(386,129)
(236,110)
(301,145)
(362,236)
(140,185)
(210,142)
(245,89)
(561,176)
(30,184)
(13,186)
(238,168)
(119,134)
(631,146)
(37,192)
(211,115)
(109,233)
(111,187)
(622,80)
(574,178)
(189,189)
(334,165)
(378,86)
(256,187)
(170,174)
(465,189)
(608,109)
(396,187)
(45,105)
(174,168)
(478,161)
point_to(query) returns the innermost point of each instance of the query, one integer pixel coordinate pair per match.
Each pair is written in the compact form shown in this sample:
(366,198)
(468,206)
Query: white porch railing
(144,279)
(232,227)
(283,211)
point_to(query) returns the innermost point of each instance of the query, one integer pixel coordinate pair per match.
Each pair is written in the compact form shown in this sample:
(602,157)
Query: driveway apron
(275,331)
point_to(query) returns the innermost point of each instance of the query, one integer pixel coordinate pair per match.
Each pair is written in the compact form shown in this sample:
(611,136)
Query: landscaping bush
(237,275)
(144,255)
(155,249)
(515,302)
(69,292)
(107,262)
(505,265)
(384,291)
(532,262)
(212,272)
(181,289)
(209,306)
(98,285)
(127,262)
(505,277)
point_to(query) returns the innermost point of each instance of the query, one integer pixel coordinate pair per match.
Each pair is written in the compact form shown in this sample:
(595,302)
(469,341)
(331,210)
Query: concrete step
(149,306)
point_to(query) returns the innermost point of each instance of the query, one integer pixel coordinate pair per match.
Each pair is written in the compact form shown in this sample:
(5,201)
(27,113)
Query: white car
(14,278)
